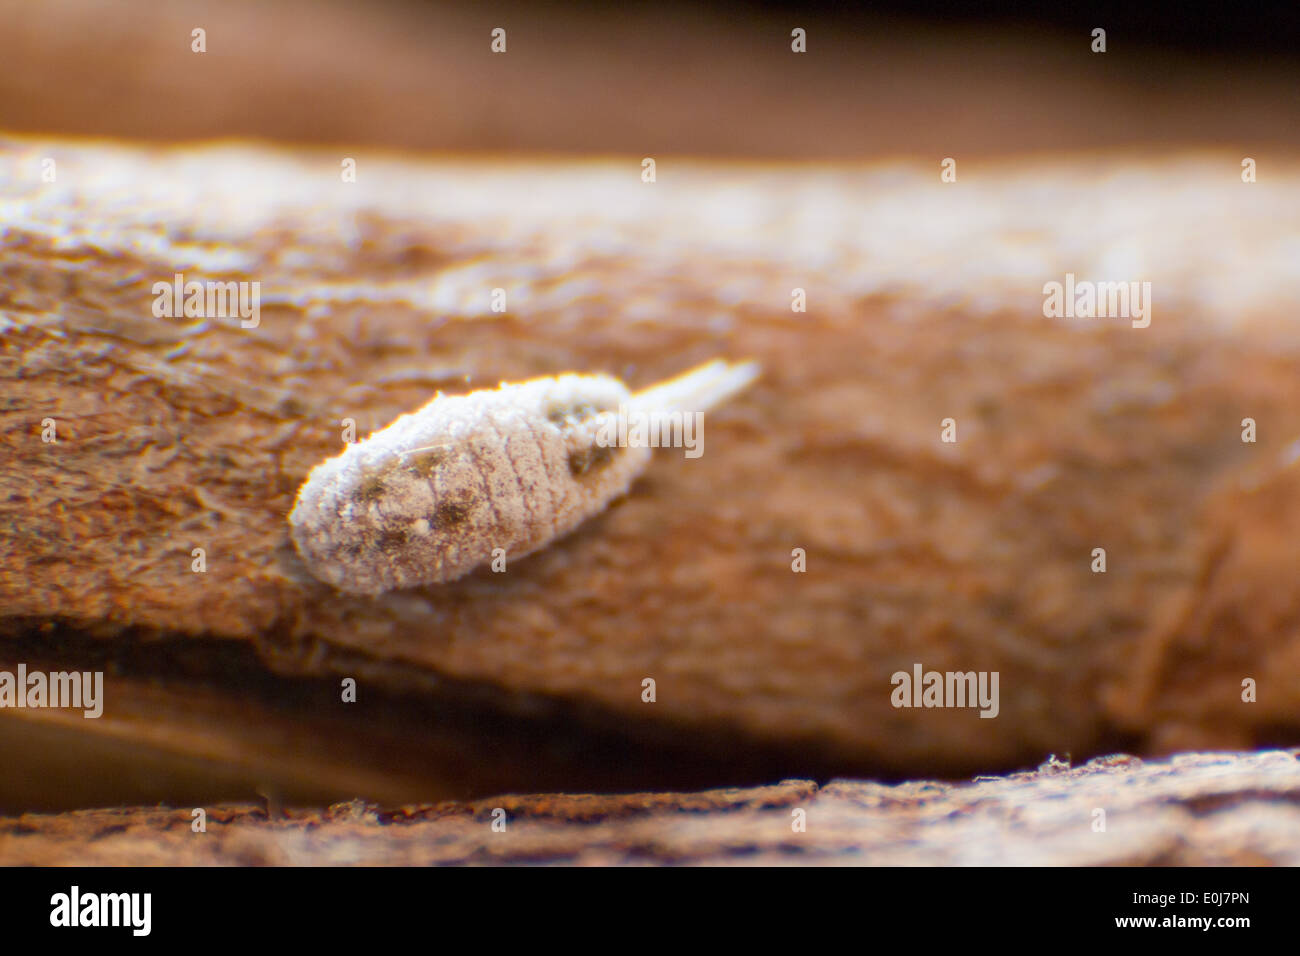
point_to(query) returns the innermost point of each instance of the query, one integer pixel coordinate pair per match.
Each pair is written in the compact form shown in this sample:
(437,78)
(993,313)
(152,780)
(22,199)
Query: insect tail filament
(698,389)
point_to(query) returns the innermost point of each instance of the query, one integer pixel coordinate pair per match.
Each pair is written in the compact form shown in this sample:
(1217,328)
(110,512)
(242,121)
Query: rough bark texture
(1197,810)
(925,302)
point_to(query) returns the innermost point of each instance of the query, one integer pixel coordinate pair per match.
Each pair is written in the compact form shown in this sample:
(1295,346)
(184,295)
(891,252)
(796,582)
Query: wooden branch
(924,303)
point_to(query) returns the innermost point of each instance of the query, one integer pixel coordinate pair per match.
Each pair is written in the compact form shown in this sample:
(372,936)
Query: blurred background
(705,78)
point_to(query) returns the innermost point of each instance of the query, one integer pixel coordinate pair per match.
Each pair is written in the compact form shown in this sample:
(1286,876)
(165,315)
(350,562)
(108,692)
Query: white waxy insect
(430,497)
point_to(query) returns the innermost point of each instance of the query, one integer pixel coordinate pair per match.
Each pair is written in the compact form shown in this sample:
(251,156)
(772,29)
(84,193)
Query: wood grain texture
(925,303)
(1196,810)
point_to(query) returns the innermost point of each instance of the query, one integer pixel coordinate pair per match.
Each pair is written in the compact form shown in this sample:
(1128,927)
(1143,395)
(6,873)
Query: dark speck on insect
(371,488)
(582,461)
(450,513)
(426,462)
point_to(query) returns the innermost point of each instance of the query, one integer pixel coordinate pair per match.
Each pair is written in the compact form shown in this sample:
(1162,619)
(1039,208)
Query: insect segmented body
(433,495)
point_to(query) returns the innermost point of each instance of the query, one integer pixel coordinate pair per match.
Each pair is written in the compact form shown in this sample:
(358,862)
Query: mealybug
(429,498)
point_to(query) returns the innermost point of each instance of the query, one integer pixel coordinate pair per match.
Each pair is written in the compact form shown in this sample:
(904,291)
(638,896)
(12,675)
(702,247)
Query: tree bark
(925,302)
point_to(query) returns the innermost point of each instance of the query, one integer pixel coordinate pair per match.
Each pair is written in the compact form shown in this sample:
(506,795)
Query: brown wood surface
(924,302)
(1073,434)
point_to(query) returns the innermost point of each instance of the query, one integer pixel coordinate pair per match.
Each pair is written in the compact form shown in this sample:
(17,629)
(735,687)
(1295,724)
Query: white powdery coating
(430,497)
